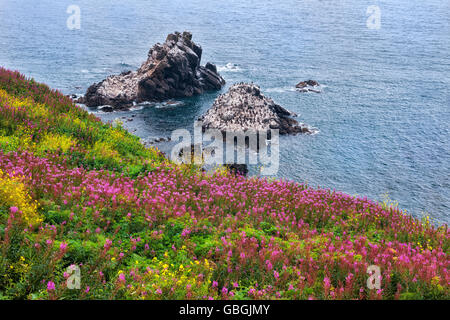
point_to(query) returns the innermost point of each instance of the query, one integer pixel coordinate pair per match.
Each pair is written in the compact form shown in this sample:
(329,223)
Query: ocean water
(383,115)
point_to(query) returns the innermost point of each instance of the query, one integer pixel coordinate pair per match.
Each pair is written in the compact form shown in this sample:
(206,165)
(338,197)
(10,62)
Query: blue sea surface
(384,110)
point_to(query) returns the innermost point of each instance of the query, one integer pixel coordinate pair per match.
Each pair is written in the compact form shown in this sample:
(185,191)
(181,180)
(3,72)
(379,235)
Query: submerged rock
(172,70)
(244,107)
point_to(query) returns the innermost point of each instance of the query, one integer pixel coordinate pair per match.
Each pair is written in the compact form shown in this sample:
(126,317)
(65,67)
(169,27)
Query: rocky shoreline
(172,70)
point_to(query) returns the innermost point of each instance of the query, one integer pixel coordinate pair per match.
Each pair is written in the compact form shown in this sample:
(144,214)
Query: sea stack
(244,107)
(172,70)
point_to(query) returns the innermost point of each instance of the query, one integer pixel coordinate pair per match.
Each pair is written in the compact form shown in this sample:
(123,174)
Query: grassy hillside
(46,123)
(76,191)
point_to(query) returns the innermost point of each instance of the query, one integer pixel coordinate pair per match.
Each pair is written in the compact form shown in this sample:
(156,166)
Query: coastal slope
(77,194)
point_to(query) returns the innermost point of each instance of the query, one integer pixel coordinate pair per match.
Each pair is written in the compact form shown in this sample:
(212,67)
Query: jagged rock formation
(172,70)
(307,86)
(303,84)
(244,108)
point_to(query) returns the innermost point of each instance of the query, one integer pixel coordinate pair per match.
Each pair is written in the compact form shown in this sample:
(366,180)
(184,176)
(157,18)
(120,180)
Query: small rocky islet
(308,86)
(244,107)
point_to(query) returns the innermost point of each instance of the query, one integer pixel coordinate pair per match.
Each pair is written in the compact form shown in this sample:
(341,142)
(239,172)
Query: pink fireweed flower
(185,232)
(276,274)
(326,285)
(13,210)
(63,246)
(107,244)
(50,286)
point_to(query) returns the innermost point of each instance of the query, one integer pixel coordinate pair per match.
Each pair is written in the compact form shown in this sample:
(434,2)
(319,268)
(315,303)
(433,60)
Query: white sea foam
(313,130)
(229,67)
(280,89)
(137,107)
(172,104)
